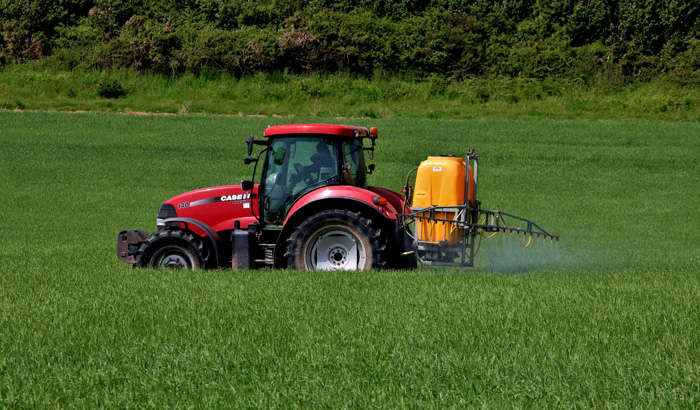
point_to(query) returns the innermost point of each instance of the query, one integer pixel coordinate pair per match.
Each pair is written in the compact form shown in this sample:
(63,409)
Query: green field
(615,323)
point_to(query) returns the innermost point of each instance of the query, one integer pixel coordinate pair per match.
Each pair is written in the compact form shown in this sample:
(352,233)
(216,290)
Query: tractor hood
(218,207)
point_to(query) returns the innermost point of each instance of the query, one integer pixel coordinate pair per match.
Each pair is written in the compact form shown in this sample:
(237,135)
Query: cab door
(294,166)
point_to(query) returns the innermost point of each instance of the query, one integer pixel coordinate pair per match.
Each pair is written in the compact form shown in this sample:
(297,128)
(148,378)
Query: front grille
(167,211)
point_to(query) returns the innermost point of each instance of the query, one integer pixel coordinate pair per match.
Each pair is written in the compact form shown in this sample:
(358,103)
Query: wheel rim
(172,257)
(334,248)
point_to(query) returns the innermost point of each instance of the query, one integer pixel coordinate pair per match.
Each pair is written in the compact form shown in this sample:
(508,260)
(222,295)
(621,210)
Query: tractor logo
(239,197)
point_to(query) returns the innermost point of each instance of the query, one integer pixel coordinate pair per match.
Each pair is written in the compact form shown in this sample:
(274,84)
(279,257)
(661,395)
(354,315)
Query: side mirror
(371,148)
(370,168)
(250,144)
(247,185)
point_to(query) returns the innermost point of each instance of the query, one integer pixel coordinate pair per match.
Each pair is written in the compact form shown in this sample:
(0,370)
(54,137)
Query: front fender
(211,234)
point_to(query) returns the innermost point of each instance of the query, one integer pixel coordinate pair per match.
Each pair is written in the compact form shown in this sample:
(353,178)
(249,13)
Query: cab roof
(324,129)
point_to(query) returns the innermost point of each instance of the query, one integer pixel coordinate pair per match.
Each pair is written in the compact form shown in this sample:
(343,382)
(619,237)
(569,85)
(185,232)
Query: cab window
(354,169)
(294,166)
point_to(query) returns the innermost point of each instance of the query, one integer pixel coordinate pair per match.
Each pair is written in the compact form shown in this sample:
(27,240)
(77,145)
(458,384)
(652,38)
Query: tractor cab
(303,157)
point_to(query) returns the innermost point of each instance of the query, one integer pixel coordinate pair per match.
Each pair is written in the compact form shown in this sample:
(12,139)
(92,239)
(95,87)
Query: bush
(625,41)
(241,52)
(110,88)
(18,44)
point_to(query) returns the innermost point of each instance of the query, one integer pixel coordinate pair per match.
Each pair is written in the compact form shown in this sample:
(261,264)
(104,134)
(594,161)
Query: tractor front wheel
(172,249)
(335,240)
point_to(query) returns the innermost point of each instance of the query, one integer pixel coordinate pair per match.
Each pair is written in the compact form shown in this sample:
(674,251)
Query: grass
(36,87)
(615,324)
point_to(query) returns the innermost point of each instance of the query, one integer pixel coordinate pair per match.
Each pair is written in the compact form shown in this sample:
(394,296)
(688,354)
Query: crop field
(608,318)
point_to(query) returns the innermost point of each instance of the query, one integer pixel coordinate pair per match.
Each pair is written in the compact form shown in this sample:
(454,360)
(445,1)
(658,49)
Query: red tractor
(313,209)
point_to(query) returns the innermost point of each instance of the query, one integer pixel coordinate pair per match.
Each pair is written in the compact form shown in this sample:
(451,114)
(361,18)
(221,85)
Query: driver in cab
(320,160)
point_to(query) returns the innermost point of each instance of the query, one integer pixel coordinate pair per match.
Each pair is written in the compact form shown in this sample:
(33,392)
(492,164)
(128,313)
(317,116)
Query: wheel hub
(174,262)
(336,250)
(172,257)
(337,256)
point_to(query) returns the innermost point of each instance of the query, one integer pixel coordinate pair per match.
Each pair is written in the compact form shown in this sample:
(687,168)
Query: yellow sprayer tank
(440,181)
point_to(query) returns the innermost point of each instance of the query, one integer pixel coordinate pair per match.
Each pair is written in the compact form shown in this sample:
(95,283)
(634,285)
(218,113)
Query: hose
(454,225)
(479,246)
(409,196)
(482,231)
(490,236)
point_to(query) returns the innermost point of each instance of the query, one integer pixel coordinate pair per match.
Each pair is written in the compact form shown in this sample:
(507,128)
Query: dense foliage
(593,39)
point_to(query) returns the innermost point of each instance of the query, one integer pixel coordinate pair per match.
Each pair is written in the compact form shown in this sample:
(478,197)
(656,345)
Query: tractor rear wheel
(335,240)
(172,249)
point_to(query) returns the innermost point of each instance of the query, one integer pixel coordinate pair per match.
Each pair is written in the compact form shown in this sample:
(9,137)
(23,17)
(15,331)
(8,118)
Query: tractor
(314,210)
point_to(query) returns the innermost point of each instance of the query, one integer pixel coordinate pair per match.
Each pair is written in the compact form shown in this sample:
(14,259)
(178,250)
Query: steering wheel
(307,179)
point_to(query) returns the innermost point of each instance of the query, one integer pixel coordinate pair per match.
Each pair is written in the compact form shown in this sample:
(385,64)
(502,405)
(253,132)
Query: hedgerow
(595,40)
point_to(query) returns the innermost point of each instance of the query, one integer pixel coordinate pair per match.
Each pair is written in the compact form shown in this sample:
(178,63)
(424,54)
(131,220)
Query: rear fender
(345,193)
(395,199)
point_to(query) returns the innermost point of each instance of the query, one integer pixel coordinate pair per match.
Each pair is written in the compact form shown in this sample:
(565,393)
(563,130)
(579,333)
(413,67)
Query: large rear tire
(172,249)
(335,240)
